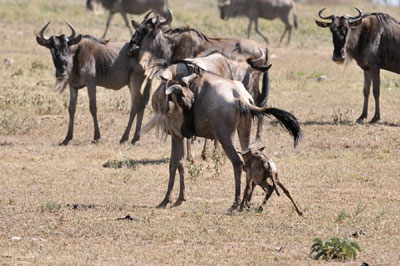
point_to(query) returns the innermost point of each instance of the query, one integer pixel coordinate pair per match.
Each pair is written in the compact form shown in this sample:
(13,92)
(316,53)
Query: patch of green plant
(334,249)
(52,206)
(219,159)
(341,217)
(195,171)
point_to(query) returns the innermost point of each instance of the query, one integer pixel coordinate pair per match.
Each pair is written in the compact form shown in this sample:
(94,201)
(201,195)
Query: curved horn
(73,35)
(169,18)
(260,59)
(358,17)
(147,15)
(328,17)
(41,34)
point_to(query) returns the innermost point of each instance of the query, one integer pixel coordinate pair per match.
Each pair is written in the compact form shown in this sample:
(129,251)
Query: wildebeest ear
(75,40)
(355,23)
(135,24)
(173,89)
(323,24)
(42,42)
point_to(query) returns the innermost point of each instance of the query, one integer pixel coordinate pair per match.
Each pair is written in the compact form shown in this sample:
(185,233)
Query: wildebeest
(153,41)
(124,7)
(373,40)
(260,170)
(194,102)
(254,9)
(86,61)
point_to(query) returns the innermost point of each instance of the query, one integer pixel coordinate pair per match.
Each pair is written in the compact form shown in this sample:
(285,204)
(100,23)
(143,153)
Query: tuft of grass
(342,216)
(51,206)
(334,249)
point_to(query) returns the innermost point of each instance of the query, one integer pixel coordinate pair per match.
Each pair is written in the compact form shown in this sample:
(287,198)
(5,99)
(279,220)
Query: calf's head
(227,9)
(59,47)
(340,28)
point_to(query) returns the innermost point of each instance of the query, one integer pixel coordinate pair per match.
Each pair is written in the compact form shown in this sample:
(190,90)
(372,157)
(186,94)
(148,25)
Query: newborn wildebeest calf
(259,170)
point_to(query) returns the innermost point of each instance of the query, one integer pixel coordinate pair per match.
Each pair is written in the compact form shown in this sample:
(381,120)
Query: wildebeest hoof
(163,204)
(178,202)
(374,120)
(234,208)
(260,209)
(134,140)
(123,139)
(64,142)
(95,141)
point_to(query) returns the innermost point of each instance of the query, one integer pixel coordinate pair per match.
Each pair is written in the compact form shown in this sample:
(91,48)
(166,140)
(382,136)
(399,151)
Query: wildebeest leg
(135,84)
(288,195)
(376,90)
(73,96)
(268,190)
(249,28)
(227,145)
(259,33)
(243,130)
(126,21)
(288,28)
(142,105)
(189,154)
(247,190)
(93,111)
(107,24)
(366,90)
(204,151)
(176,161)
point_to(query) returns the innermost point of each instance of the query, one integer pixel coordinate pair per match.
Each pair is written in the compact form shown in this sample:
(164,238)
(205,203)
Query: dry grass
(64,205)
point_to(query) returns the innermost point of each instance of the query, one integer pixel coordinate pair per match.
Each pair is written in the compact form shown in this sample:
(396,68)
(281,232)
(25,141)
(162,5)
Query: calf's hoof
(374,120)
(64,142)
(178,202)
(234,208)
(164,204)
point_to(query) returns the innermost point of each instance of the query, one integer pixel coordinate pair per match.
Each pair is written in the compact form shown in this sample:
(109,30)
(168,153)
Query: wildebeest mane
(90,37)
(184,29)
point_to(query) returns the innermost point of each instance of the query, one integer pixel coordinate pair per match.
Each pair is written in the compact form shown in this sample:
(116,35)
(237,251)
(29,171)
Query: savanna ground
(59,205)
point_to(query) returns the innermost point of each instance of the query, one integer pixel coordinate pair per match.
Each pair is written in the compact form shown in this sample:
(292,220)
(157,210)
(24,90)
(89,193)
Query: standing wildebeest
(124,7)
(86,61)
(153,42)
(373,40)
(259,170)
(254,9)
(194,102)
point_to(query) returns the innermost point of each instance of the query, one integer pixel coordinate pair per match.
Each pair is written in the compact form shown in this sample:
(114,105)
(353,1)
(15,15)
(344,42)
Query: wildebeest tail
(265,89)
(287,120)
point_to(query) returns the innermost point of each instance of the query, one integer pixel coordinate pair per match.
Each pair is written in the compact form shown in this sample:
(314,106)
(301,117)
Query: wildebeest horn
(328,17)
(260,59)
(358,17)
(73,35)
(169,18)
(41,34)
(148,14)
(188,79)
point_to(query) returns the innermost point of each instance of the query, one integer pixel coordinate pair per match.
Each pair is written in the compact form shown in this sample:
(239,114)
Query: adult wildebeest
(194,102)
(124,7)
(373,40)
(254,9)
(86,61)
(153,41)
(259,170)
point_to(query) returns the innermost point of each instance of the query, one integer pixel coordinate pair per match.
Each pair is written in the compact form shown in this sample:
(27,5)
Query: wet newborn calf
(262,171)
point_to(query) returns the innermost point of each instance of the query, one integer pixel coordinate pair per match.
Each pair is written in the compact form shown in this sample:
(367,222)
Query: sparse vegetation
(345,175)
(334,249)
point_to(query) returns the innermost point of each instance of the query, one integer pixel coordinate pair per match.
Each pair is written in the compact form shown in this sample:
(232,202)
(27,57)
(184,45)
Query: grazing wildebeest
(124,7)
(259,170)
(86,61)
(153,42)
(254,9)
(194,102)
(373,40)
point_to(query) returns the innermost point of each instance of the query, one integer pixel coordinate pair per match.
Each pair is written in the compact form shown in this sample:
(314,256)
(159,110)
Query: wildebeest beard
(61,83)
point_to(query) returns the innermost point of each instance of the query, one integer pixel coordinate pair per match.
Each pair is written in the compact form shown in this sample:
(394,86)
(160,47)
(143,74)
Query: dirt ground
(61,205)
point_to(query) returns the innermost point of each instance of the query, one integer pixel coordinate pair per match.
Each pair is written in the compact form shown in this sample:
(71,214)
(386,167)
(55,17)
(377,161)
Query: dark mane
(184,29)
(92,38)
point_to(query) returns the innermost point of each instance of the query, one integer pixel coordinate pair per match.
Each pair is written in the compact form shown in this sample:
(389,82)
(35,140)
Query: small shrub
(52,206)
(195,171)
(335,248)
(341,217)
